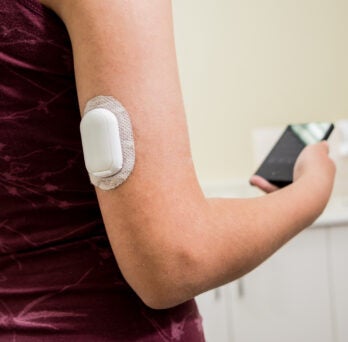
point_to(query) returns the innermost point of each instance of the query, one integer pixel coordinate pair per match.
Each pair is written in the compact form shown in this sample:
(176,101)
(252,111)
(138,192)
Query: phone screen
(311,133)
(278,166)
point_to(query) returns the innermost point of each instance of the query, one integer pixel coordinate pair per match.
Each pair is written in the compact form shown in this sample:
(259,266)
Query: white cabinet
(338,256)
(287,298)
(213,307)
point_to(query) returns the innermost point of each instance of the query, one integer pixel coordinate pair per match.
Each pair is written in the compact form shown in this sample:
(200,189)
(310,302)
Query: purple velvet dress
(59,280)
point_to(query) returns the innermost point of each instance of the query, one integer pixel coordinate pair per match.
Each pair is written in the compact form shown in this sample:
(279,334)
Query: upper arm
(126,49)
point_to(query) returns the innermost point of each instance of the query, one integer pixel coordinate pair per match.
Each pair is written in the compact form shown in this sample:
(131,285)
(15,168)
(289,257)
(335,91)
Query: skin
(170,242)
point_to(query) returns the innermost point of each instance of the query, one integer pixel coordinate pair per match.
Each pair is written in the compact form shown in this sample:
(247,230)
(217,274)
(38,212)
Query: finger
(325,144)
(262,184)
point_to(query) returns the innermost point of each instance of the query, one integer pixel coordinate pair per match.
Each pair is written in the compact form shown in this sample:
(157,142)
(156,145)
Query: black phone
(278,166)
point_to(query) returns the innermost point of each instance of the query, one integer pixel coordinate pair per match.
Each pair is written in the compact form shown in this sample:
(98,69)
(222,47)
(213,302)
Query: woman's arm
(169,241)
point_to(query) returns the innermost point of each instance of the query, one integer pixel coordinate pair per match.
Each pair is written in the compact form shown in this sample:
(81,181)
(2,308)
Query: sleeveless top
(59,280)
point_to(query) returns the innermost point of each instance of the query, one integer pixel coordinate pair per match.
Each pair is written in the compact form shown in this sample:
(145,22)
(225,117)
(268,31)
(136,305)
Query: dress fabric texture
(59,280)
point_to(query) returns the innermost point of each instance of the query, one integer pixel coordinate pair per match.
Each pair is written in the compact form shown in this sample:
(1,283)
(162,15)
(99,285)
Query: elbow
(168,283)
(165,295)
(163,257)
(159,301)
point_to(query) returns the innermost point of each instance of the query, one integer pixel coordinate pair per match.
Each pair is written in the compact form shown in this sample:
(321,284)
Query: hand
(314,161)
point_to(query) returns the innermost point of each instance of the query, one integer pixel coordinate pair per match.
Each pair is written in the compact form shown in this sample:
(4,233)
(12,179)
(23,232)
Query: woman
(61,280)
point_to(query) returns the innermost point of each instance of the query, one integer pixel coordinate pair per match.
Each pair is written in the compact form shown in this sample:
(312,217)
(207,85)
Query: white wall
(251,63)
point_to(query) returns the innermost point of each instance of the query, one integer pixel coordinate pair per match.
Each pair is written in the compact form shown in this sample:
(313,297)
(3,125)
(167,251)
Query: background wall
(250,63)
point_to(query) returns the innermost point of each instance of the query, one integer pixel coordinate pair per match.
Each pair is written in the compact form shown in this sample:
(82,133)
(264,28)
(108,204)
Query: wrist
(314,192)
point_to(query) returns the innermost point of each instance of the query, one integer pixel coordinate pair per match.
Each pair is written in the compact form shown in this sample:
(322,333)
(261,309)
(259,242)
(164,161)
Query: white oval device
(101,142)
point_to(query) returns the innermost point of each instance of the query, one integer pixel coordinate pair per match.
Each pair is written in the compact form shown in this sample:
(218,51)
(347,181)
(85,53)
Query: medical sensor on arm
(101,143)
(107,142)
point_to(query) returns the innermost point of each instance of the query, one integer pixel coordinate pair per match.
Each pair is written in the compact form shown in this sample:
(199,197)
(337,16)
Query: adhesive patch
(126,138)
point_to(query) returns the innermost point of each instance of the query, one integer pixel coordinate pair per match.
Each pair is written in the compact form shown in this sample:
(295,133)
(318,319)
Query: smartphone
(278,166)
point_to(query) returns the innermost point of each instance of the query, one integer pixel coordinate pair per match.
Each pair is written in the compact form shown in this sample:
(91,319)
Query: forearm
(185,245)
(253,229)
